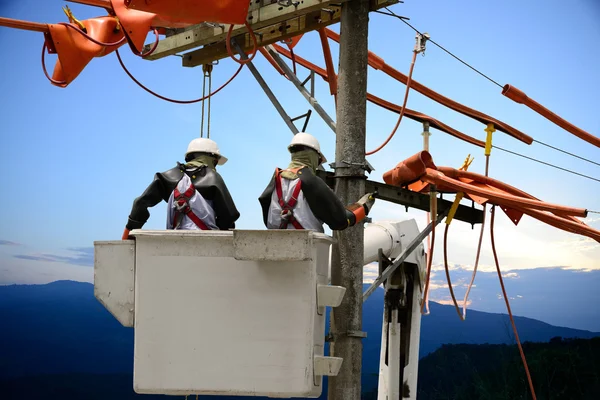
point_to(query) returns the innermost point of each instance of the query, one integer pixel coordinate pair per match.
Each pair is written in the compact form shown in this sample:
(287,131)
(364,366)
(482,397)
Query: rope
(412,66)
(512,320)
(172,100)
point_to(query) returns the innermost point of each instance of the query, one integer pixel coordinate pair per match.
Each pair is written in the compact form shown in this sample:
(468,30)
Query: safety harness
(287,209)
(182,206)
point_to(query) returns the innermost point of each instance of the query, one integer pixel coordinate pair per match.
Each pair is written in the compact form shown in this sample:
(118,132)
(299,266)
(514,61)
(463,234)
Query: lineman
(297,199)
(196,194)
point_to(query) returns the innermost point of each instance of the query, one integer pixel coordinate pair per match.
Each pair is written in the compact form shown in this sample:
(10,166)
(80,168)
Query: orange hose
(410,72)
(512,320)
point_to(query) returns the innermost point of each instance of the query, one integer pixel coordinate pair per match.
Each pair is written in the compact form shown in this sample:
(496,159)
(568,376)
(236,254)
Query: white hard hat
(308,140)
(204,145)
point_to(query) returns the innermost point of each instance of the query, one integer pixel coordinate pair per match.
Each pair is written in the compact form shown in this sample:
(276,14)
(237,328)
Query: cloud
(449,302)
(8,243)
(84,256)
(511,275)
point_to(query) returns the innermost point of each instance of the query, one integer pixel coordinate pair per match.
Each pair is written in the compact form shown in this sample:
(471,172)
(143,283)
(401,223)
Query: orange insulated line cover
(519,97)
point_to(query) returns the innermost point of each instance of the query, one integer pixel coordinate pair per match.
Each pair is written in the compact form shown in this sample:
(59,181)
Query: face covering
(203,159)
(300,159)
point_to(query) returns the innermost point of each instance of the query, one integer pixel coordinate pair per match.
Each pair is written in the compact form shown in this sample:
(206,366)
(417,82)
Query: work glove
(367,202)
(125,234)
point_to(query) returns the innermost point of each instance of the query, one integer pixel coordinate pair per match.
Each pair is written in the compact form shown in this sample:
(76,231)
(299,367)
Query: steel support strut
(311,100)
(286,118)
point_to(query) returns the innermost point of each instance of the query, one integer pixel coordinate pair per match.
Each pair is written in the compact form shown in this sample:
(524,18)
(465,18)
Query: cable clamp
(421,41)
(347,164)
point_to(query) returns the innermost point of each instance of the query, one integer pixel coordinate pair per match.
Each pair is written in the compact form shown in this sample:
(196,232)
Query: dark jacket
(323,202)
(207,181)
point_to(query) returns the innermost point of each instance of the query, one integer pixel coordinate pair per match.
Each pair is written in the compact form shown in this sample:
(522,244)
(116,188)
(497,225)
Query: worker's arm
(327,207)
(139,211)
(265,199)
(226,212)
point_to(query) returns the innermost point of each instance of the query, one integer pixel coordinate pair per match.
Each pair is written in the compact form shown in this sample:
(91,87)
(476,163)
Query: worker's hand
(125,234)
(367,202)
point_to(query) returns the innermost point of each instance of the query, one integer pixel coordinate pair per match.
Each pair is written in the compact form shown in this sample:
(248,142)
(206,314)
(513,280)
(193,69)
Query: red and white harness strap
(182,205)
(287,213)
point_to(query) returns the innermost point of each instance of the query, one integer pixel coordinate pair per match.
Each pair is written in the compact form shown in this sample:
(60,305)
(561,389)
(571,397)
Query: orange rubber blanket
(419,172)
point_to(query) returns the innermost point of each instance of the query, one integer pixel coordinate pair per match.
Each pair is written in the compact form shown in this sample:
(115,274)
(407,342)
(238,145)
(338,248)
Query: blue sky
(73,159)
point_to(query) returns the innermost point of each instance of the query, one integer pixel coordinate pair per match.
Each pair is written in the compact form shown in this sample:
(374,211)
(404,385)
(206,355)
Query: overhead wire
(403,19)
(546,163)
(566,152)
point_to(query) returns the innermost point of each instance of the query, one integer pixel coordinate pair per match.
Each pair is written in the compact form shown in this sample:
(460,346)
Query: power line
(403,19)
(566,152)
(548,164)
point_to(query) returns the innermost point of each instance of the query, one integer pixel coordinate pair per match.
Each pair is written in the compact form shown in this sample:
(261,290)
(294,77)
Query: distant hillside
(60,328)
(563,369)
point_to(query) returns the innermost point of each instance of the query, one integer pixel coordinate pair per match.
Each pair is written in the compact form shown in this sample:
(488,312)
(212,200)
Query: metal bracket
(212,25)
(311,78)
(421,41)
(358,334)
(307,115)
(330,337)
(345,164)
(288,3)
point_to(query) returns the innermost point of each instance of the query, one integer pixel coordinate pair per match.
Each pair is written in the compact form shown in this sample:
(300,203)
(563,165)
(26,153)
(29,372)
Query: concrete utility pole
(347,255)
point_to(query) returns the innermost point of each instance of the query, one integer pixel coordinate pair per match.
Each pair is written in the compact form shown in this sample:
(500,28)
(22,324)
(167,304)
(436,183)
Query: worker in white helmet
(196,194)
(297,199)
